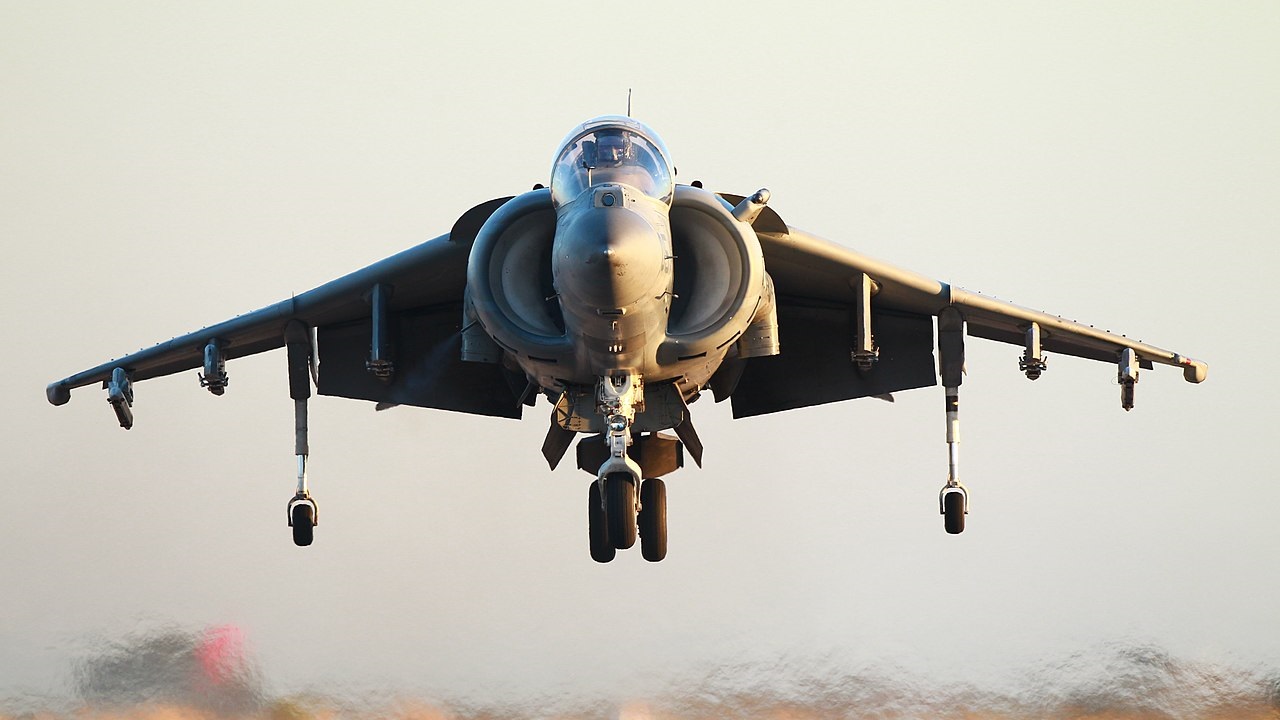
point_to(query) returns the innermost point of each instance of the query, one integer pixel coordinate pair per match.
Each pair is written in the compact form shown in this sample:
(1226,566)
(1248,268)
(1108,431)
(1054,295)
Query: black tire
(303,529)
(953,512)
(620,506)
(602,551)
(653,520)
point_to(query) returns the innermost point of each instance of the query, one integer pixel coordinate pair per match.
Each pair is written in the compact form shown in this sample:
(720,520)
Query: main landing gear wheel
(303,522)
(953,512)
(653,519)
(602,551)
(620,508)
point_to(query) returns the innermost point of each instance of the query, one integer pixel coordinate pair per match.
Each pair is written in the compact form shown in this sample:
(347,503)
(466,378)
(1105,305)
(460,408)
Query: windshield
(611,151)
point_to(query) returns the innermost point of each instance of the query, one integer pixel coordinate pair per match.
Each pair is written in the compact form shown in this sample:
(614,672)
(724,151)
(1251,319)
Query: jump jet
(621,297)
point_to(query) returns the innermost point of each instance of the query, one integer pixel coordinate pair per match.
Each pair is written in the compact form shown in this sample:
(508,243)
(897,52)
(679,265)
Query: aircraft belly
(626,342)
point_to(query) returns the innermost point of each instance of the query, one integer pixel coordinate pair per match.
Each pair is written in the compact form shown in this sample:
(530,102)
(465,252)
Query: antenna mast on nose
(628,102)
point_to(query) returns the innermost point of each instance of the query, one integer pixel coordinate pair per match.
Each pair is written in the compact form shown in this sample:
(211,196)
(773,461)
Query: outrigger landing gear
(953,501)
(302,510)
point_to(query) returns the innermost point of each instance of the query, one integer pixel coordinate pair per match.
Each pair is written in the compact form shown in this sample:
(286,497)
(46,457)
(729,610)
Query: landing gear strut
(621,506)
(302,510)
(953,501)
(617,398)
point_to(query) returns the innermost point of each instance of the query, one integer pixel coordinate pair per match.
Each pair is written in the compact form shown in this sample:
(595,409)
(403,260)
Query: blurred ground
(175,674)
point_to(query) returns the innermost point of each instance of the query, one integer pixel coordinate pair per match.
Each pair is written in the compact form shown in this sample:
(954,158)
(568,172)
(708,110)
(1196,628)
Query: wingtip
(1194,371)
(58,393)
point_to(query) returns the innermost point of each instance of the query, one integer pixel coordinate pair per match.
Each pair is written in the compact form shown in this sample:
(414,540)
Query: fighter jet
(621,297)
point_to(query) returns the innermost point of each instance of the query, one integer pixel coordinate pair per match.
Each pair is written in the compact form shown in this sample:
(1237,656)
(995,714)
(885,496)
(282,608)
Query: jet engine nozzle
(607,256)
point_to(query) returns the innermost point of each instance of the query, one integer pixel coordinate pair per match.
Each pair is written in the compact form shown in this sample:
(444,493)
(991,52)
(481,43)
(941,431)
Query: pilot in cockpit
(610,154)
(613,148)
(616,160)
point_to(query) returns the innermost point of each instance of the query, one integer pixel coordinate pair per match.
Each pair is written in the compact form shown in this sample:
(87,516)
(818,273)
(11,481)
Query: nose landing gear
(621,506)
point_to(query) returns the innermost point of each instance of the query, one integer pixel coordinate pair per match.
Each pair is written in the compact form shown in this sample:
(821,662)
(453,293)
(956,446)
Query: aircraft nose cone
(608,257)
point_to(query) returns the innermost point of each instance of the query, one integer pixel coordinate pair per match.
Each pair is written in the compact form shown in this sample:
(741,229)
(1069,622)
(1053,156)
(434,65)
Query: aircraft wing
(818,284)
(424,286)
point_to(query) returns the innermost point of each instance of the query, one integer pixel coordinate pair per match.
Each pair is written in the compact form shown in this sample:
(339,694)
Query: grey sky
(165,166)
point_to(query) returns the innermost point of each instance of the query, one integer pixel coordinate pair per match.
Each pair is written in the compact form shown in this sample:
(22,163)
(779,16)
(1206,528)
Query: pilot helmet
(613,147)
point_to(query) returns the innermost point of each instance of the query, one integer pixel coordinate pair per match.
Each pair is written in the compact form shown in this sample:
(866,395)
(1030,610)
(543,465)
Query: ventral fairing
(621,297)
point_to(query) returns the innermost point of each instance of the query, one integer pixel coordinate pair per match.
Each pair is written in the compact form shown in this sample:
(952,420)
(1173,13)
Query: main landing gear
(653,519)
(615,519)
(602,550)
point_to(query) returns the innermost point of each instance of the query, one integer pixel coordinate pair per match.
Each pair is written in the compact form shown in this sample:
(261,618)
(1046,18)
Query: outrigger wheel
(302,518)
(953,510)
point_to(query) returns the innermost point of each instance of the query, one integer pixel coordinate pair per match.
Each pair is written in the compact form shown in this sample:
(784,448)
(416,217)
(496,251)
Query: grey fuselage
(661,285)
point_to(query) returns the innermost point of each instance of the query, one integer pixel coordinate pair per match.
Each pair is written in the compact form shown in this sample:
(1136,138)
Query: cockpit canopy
(611,149)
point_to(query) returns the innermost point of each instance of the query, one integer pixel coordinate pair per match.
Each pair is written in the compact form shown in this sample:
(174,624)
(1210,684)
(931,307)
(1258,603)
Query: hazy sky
(164,166)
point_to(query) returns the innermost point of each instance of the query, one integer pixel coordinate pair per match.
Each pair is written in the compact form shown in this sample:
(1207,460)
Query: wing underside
(816,353)
(819,289)
(429,371)
(423,287)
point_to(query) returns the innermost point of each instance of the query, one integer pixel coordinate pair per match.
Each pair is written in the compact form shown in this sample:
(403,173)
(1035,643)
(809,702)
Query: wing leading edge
(427,278)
